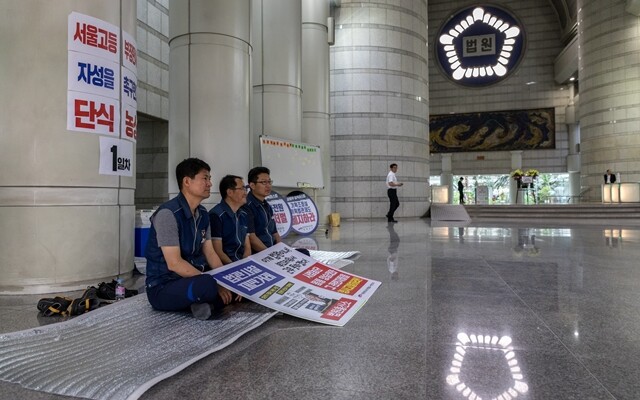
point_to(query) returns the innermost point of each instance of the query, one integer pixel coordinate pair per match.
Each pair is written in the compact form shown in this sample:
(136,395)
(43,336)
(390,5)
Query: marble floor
(487,310)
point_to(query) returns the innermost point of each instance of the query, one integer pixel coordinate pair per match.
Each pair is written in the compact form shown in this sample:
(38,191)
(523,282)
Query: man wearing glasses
(265,233)
(230,221)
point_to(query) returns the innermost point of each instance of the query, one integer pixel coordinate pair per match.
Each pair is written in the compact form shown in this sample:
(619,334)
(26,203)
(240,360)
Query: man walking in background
(392,186)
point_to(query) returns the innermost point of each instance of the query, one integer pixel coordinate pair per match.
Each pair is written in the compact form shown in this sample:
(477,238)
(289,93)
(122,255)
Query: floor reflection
(392,258)
(471,378)
(526,243)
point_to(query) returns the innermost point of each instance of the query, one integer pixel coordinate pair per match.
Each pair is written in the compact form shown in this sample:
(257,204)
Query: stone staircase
(628,214)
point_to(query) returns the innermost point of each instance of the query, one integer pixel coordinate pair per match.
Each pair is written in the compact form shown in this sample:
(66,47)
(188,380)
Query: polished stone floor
(488,310)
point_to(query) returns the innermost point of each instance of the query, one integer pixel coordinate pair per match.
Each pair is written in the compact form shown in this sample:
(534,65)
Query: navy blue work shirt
(232,228)
(192,232)
(263,223)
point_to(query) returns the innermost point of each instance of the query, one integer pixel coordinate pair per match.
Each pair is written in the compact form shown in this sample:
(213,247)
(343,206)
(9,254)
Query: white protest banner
(91,35)
(304,214)
(92,113)
(286,280)
(129,87)
(130,55)
(94,75)
(281,213)
(116,157)
(129,127)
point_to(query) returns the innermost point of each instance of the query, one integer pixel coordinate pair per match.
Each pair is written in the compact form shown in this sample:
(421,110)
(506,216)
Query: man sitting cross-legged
(179,250)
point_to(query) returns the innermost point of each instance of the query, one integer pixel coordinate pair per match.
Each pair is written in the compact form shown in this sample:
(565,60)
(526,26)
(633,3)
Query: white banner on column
(91,35)
(129,122)
(95,75)
(130,55)
(129,127)
(91,113)
(116,157)
(129,87)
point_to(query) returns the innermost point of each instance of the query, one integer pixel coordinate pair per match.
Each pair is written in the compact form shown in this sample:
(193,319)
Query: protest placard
(286,280)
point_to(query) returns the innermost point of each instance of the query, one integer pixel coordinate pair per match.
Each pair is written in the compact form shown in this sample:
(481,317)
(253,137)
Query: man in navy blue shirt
(265,233)
(229,221)
(179,249)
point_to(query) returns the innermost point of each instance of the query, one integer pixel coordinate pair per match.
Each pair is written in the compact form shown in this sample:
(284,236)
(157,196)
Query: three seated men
(184,242)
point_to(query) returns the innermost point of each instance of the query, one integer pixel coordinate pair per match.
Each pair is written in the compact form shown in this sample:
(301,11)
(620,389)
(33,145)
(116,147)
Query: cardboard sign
(286,280)
(281,213)
(304,214)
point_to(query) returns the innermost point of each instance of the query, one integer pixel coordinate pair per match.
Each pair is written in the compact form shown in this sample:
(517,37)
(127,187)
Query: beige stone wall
(153,102)
(513,93)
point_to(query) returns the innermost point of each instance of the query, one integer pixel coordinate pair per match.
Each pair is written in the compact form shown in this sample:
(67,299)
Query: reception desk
(621,192)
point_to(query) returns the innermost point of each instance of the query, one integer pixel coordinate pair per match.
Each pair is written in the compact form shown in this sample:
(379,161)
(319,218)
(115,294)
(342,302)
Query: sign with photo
(286,280)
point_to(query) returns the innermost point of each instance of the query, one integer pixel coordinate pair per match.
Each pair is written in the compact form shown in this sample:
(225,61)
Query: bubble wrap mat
(337,259)
(118,351)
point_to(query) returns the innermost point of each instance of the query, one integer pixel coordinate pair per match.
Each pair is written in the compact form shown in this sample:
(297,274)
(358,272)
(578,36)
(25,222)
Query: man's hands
(227,296)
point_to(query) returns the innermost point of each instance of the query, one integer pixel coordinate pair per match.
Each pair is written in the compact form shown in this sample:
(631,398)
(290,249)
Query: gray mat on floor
(118,351)
(448,212)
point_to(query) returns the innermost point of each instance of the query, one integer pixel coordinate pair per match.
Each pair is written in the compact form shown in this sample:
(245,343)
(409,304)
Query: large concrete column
(277,93)
(380,106)
(609,47)
(315,92)
(63,225)
(209,78)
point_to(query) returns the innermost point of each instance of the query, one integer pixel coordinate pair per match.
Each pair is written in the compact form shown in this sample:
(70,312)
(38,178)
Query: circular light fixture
(480,45)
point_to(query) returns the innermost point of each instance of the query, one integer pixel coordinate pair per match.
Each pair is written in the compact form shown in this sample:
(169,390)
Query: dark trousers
(178,295)
(394,203)
(461,196)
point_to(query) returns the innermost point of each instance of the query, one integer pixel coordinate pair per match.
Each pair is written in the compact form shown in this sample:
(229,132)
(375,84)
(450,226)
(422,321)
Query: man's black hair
(190,167)
(253,174)
(228,182)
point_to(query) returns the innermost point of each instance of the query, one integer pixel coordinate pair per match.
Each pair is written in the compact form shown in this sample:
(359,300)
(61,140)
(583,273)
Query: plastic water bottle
(119,289)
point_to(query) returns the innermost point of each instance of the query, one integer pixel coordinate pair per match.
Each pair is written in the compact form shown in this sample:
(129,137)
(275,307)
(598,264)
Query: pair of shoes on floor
(107,291)
(56,306)
(87,302)
(64,306)
(392,220)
